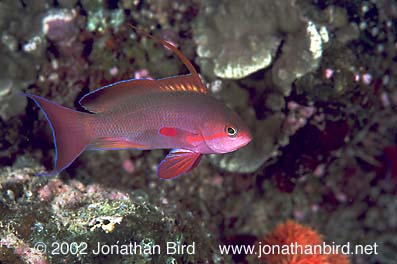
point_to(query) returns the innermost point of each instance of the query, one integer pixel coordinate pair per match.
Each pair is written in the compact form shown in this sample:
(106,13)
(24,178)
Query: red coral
(291,232)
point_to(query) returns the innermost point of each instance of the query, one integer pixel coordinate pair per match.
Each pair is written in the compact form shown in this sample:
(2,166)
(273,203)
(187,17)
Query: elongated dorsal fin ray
(104,98)
(174,49)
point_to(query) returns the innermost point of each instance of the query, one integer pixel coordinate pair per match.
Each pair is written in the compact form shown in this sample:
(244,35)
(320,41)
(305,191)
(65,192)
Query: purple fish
(172,113)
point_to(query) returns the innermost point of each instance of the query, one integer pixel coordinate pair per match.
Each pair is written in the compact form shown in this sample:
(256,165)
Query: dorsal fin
(102,99)
(182,83)
(175,50)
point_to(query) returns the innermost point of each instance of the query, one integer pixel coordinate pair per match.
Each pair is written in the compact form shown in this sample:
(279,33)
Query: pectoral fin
(177,162)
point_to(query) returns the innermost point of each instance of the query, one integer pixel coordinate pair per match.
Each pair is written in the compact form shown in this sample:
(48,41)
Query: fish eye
(231,131)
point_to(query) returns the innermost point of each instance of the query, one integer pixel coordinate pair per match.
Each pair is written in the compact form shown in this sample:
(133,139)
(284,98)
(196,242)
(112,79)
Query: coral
(300,55)
(59,26)
(11,103)
(322,112)
(245,47)
(291,232)
(23,251)
(18,29)
(100,19)
(27,32)
(72,211)
(241,47)
(297,117)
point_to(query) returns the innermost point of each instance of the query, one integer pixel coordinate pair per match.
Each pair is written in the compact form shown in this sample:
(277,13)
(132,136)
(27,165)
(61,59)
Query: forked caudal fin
(68,131)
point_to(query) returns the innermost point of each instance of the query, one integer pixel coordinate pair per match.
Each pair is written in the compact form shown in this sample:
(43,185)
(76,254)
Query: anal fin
(109,143)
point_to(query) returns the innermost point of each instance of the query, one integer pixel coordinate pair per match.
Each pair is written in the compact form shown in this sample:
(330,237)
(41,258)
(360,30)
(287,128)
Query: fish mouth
(247,138)
(244,140)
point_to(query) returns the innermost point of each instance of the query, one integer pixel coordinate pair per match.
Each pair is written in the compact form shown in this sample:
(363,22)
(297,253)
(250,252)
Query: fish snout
(246,138)
(242,140)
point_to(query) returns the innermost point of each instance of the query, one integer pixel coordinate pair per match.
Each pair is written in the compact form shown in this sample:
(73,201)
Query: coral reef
(292,233)
(314,80)
(250,46)
(247,47)
(82,215)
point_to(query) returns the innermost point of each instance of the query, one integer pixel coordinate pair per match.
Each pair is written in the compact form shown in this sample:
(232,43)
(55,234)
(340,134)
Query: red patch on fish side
(168,131)
(193,138)
(198,138)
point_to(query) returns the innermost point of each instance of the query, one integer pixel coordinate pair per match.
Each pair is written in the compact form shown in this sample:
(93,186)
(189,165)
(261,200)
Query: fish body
(172,113)
(188,116)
